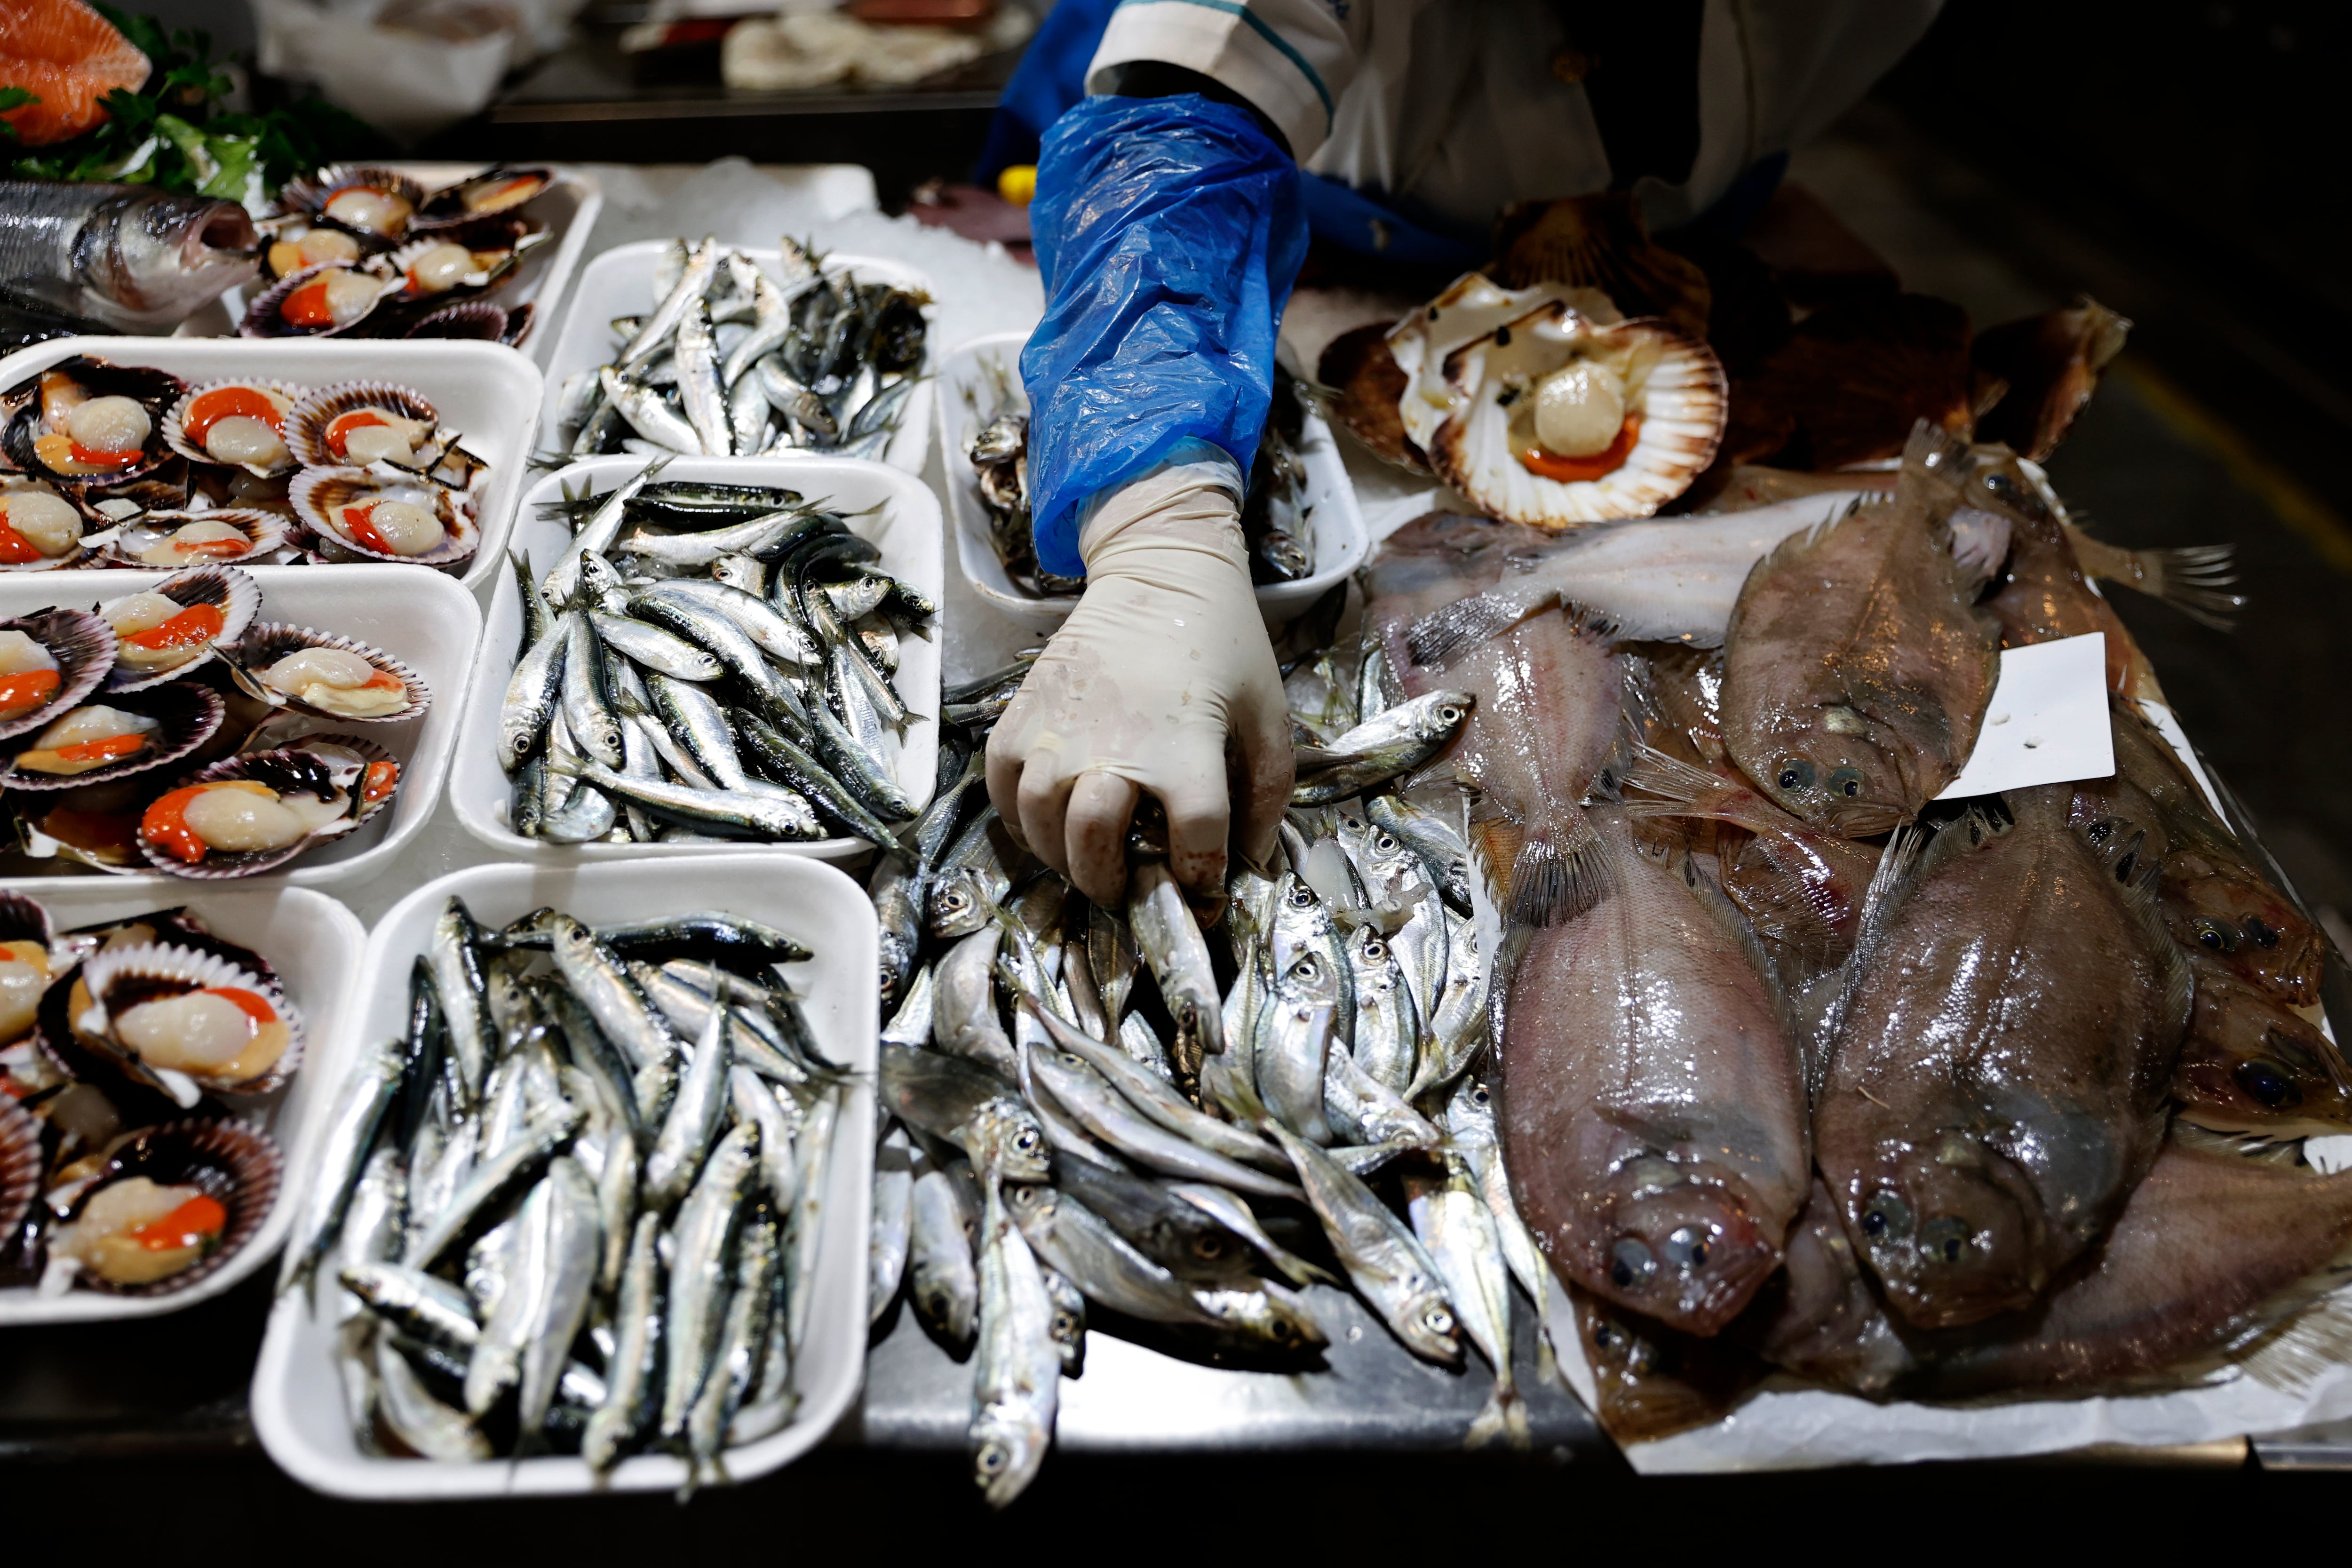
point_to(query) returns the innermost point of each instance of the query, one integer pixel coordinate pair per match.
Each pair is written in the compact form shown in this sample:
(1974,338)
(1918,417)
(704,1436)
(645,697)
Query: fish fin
(1899,870)
(1441,634)
(1685,790)
(2194,579)
(1552,881)
(2141,875)
(1974,829)
(1936,464)
(1503,1419)
(1735,925)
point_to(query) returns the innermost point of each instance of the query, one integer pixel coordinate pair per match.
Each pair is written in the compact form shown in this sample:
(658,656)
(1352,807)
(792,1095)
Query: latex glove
(1162,681)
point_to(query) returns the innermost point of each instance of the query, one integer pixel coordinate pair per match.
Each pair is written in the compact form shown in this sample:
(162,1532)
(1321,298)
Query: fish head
(2250,1065)
(1009,1143)
(1828,764)
(1678,1242)
(2233,918)
(1426,1322)
(1952,1230)
(163,255)
(1008,1444)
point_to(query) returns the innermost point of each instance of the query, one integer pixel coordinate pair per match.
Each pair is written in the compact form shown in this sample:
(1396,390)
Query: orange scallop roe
(230,402)
(382,778)
(27,689)
(193,626)
(199,1220)
(16,550)
(252,1003)
(1600,465)
(338,431)
(68,57)
(363,531)
(98,751)
(308,307)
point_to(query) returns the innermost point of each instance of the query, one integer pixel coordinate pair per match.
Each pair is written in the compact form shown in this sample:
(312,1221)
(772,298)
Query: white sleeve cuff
(1290,60)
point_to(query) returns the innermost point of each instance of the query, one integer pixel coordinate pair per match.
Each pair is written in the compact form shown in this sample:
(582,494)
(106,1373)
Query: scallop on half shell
(355,422)
(21,1163)
(254,811)
(165,631)
(236,423)
(70,427)
(171,1205)
(318,302)
(190,1023)
(29,960)
(378,204)
(46,531)
(345,510)
(50,660)
(495,190)
(1556,419)
(122,735)
(228,534)
(326,675)
(461,263)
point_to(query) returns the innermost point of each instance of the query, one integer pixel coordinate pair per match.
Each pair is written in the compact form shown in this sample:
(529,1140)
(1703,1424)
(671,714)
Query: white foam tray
(1340,540)
(486,391)
(568,207)
(896,511)
(314,943)
(419,616)
(298,1402)
(620,282)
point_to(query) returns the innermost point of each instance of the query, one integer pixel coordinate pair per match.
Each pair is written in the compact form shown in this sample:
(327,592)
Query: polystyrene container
(620,282)
(417,616)
(895,510)
(486,392)
(568,207)
(298,1400)
(314,943)
(1336,526)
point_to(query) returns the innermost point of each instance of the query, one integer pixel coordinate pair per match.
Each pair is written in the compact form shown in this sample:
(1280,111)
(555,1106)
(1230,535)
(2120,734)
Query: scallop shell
(1368,385)
(306,426)
(506,258)
(478,320)
(29,832)
(267,532)
(24,919)
(175,423)
(96,535)
(267,642)
(311,193)
(447,207)
(84,647)
(265,317)
(232,590)
(319,494)
(191,714)
(165,489)
(1681,403)
(154,390)
(355,754)
(21,1166)
(1602,242)
(123,977)
(331,771)
(233,1163)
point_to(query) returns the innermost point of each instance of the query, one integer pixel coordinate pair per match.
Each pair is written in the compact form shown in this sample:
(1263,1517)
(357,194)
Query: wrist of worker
(1180,519)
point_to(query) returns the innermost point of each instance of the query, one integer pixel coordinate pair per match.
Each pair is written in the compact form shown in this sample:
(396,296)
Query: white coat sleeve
(1290,60)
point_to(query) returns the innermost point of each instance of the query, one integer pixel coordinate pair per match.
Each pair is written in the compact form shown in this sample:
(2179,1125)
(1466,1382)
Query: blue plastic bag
(1169,231)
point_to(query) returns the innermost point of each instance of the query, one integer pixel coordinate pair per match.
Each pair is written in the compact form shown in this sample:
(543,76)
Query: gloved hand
(1161,682)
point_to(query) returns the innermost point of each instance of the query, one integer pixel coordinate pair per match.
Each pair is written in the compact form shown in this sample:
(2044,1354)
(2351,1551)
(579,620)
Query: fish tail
(2195,579)
(1557,872)
(1465,623)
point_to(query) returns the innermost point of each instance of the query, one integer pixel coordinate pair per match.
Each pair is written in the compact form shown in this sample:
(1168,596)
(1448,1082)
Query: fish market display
(130,1053)
(130,255)
(1796,1067)
(1121,1109)
(126,466)
(729,361)
(172,731)
(577,1207)
(1274,518)
(708,661)
(365,252)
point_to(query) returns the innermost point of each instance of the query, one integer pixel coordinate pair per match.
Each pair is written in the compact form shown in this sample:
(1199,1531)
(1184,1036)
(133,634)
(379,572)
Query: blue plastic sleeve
(1169,231)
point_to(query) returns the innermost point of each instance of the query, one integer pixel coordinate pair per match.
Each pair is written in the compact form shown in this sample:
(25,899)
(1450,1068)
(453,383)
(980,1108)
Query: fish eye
(1375,949)
(2215,937)
(1480,1096)
(1301,897)
(1886,1216)
(1846,781)
(1028,1139)
(1796,774)
(1945,1239)
(2266,1082)
(2261,933)
(1450,714)
(1687,1247)
(1438,1321)
(1631,1265)
(992,1460)
(1606,1335)
(1385,844)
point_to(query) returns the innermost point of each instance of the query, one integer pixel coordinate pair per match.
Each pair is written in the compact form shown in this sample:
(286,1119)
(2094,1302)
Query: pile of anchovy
(1159,1114)
(708,661)
(577,1209)
(734,362)
(1274,516)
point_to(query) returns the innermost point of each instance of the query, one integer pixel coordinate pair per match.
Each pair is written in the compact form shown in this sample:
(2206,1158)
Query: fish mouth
(227,234)
(1952,1230)
(1690,1254)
